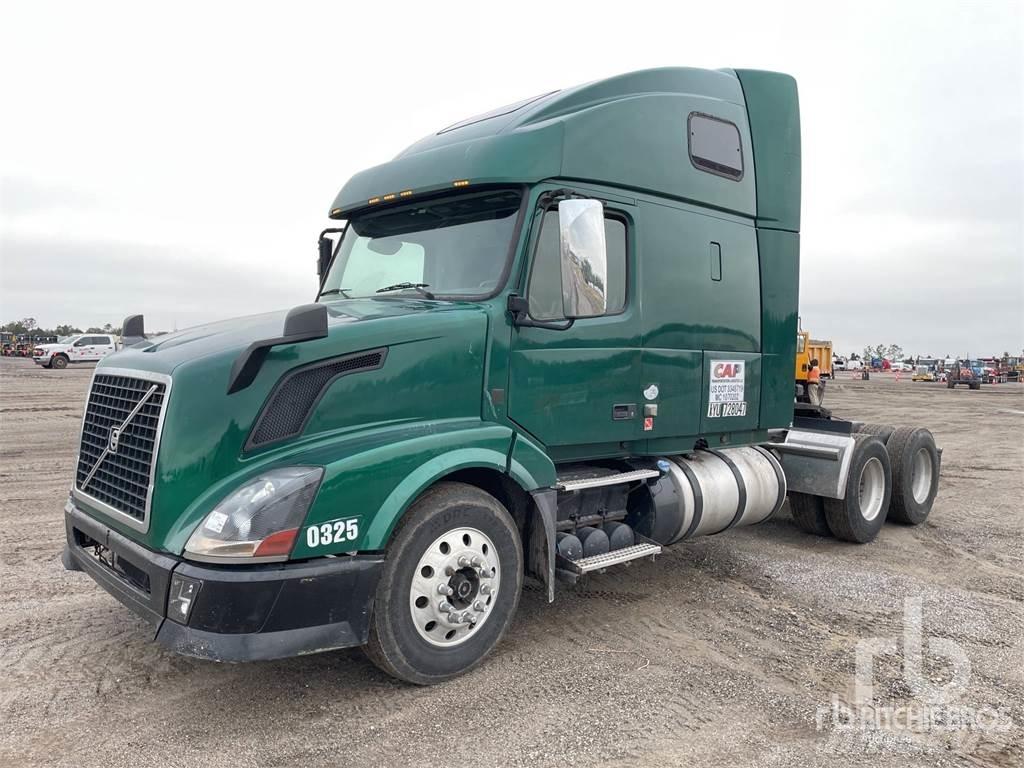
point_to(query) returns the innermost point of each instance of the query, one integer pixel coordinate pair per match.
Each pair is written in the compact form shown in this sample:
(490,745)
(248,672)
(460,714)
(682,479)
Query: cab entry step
(608,559)
(596,482)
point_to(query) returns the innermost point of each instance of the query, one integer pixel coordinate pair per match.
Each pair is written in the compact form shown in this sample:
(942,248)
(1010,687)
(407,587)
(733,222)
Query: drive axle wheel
(881,431)
(859,515)
(809,513)
(915,474)
(450,585)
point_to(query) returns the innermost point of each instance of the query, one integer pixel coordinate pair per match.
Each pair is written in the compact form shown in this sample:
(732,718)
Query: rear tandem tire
(809,513)
(442,525)
(860,514)
(915,474)
(881,431)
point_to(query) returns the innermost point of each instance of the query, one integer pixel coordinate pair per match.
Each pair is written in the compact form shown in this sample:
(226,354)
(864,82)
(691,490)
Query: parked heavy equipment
(961,372)
(548,341)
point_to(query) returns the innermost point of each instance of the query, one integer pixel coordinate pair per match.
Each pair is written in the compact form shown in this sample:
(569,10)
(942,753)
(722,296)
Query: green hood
(164,353)
(433,370)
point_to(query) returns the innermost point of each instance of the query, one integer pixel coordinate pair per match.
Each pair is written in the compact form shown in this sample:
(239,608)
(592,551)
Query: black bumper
(240,613)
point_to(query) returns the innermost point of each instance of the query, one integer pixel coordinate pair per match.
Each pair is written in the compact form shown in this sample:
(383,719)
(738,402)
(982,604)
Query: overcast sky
(179,160)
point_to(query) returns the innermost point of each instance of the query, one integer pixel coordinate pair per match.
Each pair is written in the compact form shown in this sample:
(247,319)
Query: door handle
(623,411)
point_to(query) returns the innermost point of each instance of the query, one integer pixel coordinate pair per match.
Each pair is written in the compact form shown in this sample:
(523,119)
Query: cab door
(578,390)
(104,346)
(91,350)
(80,350)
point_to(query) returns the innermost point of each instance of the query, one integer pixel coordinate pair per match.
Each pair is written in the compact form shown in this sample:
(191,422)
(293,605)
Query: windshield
(453,246)
(67,339)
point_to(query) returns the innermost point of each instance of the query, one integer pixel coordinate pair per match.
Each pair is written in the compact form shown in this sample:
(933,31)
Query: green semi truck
(547,341)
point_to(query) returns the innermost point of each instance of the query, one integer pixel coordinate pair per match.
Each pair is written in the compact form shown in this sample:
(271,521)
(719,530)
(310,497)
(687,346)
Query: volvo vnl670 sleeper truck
(547,341)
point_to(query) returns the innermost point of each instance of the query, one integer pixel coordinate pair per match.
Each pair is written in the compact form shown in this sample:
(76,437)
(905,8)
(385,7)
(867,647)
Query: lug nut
(444,589)
(444,606)
(464,562)
(465,617)
(485,589)
(484,573)
(476,562)
(479,607)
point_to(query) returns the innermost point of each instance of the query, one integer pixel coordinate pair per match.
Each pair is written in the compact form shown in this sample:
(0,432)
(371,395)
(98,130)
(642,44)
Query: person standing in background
(814,393)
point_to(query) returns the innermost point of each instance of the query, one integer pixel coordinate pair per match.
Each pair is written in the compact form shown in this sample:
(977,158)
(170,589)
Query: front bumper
(241,613)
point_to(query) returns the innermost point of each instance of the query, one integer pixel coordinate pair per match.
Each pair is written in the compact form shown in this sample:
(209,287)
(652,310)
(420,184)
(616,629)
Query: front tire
(450,586)
(59,362)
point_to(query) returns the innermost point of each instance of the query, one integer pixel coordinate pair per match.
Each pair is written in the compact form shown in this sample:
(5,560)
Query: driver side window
(545,288)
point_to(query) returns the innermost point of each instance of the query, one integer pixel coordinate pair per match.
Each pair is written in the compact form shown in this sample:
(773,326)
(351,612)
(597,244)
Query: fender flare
(428,473)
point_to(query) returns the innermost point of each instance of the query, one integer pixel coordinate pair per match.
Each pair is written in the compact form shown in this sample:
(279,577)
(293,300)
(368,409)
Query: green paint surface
(461,387)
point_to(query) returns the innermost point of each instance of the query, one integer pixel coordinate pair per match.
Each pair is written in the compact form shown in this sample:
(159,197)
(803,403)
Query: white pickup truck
(80,348)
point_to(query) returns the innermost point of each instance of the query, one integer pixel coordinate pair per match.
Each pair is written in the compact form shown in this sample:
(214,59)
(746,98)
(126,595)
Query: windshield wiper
(329,291)
(418,287)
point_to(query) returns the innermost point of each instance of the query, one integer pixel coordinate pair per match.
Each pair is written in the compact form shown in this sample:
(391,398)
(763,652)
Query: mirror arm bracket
(519,308)
(554,196)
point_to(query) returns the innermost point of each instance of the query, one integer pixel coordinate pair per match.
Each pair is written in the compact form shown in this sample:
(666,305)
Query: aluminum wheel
(921,476)
(872,488)
(454,586)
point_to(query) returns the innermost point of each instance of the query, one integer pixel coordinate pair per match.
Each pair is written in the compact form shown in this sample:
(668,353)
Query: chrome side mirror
(584,258)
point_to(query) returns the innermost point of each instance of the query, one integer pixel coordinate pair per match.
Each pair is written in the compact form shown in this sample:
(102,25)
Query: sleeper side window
(545,289)
(715,146)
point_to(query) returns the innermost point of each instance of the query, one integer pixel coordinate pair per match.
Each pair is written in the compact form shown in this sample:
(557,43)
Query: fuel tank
(708,491)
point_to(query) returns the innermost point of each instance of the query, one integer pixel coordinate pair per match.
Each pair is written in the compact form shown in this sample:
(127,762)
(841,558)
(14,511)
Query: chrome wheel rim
(872,488)
(454,587)
(921,476)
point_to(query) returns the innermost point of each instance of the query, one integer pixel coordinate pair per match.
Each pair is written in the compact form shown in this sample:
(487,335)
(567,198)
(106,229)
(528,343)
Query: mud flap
(542,538)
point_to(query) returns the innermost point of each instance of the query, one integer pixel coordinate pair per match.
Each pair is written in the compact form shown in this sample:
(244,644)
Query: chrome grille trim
(143,475)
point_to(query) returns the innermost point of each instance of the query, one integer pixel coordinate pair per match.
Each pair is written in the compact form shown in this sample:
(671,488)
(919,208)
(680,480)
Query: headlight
(259,520)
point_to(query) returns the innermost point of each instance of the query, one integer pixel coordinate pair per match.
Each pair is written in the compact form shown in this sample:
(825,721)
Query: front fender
(376,485)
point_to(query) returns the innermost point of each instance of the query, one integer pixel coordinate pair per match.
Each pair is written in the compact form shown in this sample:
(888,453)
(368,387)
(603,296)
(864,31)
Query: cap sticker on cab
(725,389)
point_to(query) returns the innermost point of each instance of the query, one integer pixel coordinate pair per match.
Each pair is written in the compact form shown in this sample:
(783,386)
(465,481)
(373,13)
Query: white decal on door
(726,389)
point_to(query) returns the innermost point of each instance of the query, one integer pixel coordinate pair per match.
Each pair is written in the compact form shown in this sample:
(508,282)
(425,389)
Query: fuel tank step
(618,478)
(608,559)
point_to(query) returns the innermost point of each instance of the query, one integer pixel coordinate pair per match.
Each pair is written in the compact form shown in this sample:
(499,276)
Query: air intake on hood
(295,396)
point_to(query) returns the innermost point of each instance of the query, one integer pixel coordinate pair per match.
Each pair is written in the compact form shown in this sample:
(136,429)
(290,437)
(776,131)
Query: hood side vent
(295,396)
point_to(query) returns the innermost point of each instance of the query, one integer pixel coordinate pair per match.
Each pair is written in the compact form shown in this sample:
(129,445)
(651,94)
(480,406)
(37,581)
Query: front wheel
(59,362)
(450,586)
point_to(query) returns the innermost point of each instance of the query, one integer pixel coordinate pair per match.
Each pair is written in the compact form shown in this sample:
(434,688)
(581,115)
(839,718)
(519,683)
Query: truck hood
(162,354)
(431,370)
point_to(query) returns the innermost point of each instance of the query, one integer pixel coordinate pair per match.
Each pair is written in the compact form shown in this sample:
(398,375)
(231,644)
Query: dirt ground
(727,650)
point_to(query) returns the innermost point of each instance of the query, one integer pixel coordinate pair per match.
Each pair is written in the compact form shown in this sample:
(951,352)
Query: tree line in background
(28,326)
(894,352)
(884,352)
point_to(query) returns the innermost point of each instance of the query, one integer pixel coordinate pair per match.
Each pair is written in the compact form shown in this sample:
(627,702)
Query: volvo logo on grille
(114,435)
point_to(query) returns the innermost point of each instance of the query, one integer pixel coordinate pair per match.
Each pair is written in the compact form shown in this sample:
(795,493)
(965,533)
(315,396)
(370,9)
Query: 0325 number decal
(333,532)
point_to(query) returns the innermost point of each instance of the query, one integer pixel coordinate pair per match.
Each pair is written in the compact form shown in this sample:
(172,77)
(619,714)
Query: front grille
(123,474)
